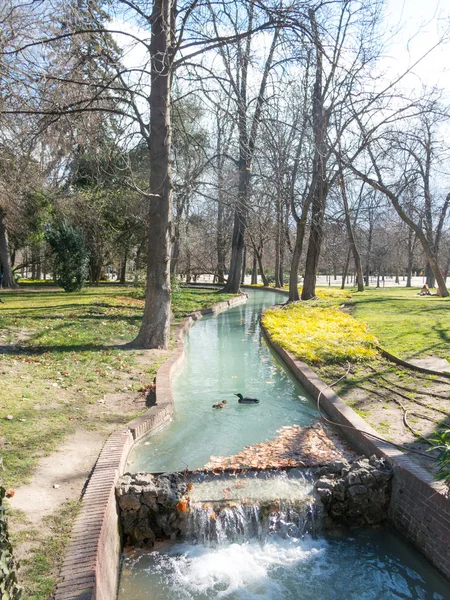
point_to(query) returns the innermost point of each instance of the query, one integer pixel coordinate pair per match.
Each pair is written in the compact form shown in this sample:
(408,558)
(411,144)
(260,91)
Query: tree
(70,256)
(247,132)
(350,233)
(381,151)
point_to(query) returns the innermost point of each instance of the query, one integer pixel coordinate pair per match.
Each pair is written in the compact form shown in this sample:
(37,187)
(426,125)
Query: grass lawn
(407,325)
(403,405)
(60,354)
(64,367)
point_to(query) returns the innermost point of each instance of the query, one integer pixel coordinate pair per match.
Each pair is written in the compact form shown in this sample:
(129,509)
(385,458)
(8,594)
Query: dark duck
(243,400)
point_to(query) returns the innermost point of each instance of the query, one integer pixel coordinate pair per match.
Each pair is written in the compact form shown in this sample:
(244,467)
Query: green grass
(60,354)
(187,300)
(40,567)
(407,325)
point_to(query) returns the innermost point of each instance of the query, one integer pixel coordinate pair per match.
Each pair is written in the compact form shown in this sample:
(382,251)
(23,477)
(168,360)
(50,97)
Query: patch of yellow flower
(332,293)
(319,334)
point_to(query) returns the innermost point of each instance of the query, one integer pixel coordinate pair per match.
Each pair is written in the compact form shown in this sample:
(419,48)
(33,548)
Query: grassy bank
(318,332)
(336,336)
(60,354)
(407,325)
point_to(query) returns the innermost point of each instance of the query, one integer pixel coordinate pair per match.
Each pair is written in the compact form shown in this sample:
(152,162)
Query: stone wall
(356,494)
(421,511)
(157,507)
(152,507)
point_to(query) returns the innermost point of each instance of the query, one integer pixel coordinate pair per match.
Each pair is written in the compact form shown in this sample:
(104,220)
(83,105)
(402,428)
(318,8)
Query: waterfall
(252,507)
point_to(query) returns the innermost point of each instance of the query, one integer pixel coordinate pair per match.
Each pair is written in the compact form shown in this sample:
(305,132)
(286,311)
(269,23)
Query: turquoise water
(367,565)
(225,354)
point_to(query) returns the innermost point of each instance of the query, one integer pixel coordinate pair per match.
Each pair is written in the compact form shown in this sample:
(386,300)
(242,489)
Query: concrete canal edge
(91,564)
(419,508)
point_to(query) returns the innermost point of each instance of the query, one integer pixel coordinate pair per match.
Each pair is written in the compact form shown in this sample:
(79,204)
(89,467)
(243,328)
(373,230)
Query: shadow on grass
(66,307)
(421,448)
(18,350)
(444,335)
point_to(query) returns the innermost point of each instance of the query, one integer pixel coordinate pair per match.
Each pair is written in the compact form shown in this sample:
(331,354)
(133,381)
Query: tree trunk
(319,184)
(137,262)
(261,267)
(7,280)
(221,252)
(220,236)
(369,252)
(298,248)
(244,265)
(278,282)
(123,268)
(254,270)
(351,236)
(175,254)
(314,247)
(299,238)
(155,327)
(429,277)
(346,266)
(410,258)
(239,226)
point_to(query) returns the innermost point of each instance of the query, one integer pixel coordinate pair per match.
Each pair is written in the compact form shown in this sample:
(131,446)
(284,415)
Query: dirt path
(60,476)
(405,406)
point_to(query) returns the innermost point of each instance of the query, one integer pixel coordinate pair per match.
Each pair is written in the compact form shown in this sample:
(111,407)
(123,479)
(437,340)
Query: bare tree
(178,35)
(395,181)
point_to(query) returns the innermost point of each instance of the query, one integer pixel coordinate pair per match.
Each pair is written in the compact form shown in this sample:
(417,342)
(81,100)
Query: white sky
(414,25)
(421,23)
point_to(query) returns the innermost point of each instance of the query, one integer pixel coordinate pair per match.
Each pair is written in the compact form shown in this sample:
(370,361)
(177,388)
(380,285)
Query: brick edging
(419,508)
(91,564)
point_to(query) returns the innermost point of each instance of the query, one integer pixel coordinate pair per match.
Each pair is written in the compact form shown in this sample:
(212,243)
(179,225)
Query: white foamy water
(372,565)
(240,571)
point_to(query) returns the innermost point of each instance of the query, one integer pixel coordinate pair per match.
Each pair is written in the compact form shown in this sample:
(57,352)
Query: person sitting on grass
(425,291)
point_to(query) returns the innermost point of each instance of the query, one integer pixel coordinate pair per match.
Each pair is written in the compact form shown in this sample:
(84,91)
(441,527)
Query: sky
(420,24)
(414,27)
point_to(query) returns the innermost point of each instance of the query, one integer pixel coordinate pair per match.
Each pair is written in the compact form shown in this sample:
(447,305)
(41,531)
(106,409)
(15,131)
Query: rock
(326,484)
(353,478)
(358,490)
(325,495)
(129,501)
(143,479)
(366,477)
(338,465)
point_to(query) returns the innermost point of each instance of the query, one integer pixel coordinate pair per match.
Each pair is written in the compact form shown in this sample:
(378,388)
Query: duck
(243,400)
(219,404)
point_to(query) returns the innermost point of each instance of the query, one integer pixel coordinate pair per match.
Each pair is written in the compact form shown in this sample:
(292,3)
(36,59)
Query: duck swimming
(243,400)
(219,404)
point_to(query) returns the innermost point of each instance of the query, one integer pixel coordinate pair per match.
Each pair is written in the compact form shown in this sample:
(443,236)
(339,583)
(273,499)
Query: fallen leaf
(182,506)
(226,493)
